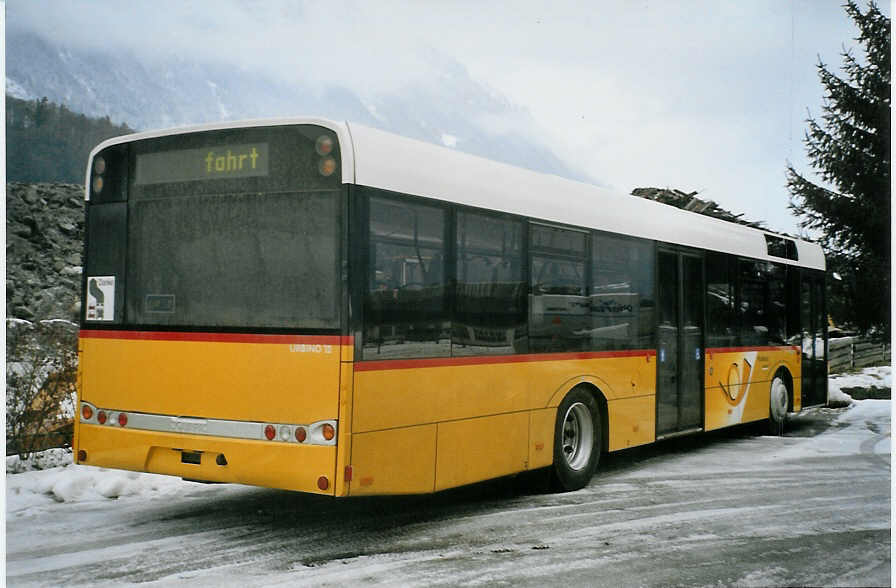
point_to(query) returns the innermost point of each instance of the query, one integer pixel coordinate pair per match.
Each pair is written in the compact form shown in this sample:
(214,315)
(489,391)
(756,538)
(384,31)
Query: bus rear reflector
(82,455)
(323,483)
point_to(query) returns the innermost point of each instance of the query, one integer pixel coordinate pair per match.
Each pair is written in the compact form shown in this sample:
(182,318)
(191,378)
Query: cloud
(696,94)
(313,42)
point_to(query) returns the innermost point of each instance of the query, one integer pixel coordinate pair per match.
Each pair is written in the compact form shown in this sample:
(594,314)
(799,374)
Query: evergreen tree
(47,142)
(850,151)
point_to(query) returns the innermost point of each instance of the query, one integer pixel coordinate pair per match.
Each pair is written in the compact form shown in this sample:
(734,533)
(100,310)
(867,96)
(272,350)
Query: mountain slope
(146,92)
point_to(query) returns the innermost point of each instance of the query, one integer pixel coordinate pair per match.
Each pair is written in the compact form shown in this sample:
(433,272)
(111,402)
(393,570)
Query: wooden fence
(855,352)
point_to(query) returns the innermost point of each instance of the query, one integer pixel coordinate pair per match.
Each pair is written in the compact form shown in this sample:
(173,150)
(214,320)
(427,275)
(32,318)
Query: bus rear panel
(213,342)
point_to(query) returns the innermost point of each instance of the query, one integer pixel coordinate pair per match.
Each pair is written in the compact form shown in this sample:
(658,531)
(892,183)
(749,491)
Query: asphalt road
(732,508)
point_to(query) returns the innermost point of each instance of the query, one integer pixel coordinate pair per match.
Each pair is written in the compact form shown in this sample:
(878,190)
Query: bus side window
(621,293)
(490,298)
(762,303)
(721,320)
(405,313)
(559,317)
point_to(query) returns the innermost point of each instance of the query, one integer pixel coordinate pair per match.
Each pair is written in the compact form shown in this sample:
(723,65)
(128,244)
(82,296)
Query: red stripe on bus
(404,364)
(736,349)
(216,337)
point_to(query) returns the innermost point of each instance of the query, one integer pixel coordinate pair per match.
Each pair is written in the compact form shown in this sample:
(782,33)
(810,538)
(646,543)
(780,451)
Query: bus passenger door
(679,394)
(812,328)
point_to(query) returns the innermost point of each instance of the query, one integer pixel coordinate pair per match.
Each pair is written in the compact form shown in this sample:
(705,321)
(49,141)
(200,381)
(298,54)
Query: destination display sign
(208,163)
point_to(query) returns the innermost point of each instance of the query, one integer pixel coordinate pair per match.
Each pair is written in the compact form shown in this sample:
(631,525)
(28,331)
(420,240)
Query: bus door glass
(812,316)
(680,344)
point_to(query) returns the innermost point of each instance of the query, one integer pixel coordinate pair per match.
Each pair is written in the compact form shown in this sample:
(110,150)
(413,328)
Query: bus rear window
(234,228)
(235,260)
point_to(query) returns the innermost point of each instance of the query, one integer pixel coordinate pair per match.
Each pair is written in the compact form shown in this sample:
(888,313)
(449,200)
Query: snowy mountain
(165,90)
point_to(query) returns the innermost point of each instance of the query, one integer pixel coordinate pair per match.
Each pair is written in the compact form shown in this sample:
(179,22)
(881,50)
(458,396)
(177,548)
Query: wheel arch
(590,385)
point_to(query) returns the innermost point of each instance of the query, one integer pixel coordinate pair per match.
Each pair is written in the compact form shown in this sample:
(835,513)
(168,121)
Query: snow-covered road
(731,508)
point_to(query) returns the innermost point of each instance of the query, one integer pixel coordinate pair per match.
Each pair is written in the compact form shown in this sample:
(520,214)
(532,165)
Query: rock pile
(689,201)
(44,241)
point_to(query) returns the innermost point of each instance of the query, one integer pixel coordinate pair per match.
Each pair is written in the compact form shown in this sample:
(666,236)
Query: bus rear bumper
(210,459)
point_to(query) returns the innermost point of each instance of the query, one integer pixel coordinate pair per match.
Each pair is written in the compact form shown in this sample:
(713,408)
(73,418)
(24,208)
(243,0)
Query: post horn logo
(738,381)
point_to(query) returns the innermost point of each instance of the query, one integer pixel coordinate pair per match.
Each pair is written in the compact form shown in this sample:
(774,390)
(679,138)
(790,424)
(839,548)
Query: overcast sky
(695,95)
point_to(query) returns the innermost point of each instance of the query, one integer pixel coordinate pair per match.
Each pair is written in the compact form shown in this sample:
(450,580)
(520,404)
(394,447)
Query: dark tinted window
(560,316)
(763,297)
(405,313)
(776,303)
(106,246)
(793,305)
(234,228)
(235,260)
(621,293)
(780,247)
(490,297)
(721,319)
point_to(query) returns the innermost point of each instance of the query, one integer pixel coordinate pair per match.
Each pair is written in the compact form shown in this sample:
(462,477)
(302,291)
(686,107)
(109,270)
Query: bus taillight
(326,166)
(270,432)
(101,417)
(86,412)
(301,434)
(328,431)
(122,419)
(323,145)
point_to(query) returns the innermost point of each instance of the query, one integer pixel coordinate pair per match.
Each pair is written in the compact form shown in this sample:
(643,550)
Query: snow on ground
(49,477)
(44,460)
(878,376)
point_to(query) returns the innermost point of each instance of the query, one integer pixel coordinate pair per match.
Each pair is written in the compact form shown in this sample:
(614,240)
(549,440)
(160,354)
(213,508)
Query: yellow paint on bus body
(632,421)
(488,420)
(481,448)
(207,379)
(738,383)
(403,427)
(256,463)
(211,379)
(395,461)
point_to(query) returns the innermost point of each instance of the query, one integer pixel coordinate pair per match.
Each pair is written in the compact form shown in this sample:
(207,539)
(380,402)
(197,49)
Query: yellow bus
(324,307)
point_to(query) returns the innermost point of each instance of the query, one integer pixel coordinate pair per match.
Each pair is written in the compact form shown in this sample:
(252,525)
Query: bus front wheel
(778,404)
(577,440)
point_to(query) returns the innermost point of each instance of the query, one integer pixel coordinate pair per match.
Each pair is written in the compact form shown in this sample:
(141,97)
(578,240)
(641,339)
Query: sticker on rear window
(101,298)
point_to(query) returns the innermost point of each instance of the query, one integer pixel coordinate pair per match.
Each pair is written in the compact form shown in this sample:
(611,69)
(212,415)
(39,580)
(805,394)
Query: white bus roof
(391,162)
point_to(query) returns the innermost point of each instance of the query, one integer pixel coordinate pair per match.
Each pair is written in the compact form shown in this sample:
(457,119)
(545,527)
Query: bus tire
(778,403)
(577,440)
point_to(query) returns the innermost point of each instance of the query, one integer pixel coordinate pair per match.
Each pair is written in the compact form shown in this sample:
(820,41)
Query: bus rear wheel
(577,440)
